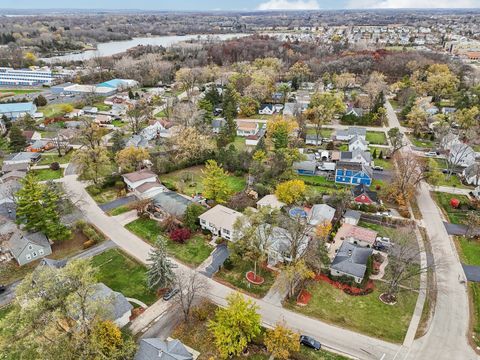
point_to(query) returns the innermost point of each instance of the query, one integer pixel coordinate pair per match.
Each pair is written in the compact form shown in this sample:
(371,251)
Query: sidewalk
(127,217)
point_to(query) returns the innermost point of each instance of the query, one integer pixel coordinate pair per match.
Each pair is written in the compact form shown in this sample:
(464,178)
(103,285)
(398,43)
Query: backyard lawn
(365,314)
(110,191)
(324,132)
(422,143)
(189,181)
(48,174)
(52,110)
(48,158)
(123,274)
(376,137)
(236,277)
(455,216)
(193,252)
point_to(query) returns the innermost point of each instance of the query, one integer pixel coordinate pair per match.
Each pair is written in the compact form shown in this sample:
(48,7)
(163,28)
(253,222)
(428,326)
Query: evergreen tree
(7,122)
(40,100)
(213,96)
(380,156)
(118,142)
(27,123)
(160,274)
(37,209)
(230,104)
(207,108)
(18,142)
(130,94)
(374,154)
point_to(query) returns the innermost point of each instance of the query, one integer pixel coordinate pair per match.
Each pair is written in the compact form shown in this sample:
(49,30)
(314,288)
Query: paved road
(336,338)
(447,334)
(118,202)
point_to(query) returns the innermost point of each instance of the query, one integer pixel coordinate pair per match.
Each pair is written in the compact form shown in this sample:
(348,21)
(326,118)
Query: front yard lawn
(469,250)
(114,189)
(193,252)
(386,164)
(236,277)
(422,143)
(189,181)
(123,274)
(48,174)
(10,271)
(376,137)
(5,310)
(455,216)
(324,132)
(118,211)
(48,158)
(365,314)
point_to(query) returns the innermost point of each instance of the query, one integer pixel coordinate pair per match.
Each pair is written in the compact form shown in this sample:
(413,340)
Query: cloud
(289,5)
(414,4)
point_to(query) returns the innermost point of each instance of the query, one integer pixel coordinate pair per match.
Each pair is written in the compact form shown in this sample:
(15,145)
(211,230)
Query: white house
(270,200)
(321,213)
(144,184)
(357,143)
(461,154)
(247,128)
(471,174)
(21,158)
(356,156)
(279,244)
(220,221)
(267,109)
(348,134)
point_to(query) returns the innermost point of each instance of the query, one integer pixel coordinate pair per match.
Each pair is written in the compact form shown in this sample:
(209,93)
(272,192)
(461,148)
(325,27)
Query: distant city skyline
(237,5)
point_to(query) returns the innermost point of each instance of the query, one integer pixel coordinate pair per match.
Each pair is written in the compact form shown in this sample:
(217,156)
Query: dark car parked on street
(170,294)
(310,342)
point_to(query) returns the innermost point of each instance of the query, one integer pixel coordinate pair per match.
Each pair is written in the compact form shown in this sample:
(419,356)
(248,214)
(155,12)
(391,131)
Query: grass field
(193,252)
(105,194)
(376,137)
(18,91)
(48,174)
(123,274)
(189,181)
(52,110)
(455,216)
(365,314)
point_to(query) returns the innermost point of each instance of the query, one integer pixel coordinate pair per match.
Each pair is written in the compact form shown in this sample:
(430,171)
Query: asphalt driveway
(219,255)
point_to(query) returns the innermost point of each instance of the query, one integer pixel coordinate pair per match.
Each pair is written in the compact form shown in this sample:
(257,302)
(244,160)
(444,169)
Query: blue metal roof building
(17,110)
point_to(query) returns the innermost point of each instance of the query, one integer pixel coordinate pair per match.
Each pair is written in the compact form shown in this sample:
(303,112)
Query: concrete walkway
(152,313)
(450,190)
(127,217)
(43,167)
(138,302)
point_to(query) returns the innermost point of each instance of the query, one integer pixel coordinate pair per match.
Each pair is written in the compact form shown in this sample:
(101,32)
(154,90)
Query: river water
(116,47)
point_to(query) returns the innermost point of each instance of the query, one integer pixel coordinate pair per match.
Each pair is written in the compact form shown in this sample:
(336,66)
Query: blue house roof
(17,107)
(114,83)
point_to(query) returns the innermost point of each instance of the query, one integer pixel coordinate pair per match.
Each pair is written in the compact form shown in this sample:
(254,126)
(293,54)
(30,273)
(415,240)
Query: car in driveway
(310,342)
(431,154)
(378,168)
(170,294)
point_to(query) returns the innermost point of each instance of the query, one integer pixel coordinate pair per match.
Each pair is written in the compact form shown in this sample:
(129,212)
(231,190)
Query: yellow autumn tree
(290,191)
(131,158)
(323,230)
(282,341)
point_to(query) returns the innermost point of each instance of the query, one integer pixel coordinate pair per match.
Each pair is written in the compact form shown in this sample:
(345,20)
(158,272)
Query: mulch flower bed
(303,298)
(254,279)
(350,290)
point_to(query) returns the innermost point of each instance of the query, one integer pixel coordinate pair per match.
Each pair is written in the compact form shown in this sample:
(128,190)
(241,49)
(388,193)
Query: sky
(209,5)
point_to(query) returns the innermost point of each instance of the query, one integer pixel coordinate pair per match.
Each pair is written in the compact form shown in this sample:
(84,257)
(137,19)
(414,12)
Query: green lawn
(48,158)
(193,252)
(118,123)
(105,194)
(161,114)
(469,250)
(48,174)
(386,164)
(376,137)
(189,181)
(102,107)
(123,274)
(19,91)
(422,143)
(365,314)
(118,211)
(381,230)
(239,143)
(324,132)
(455,216)
(5,310)
(236,277)
(52,110)
(474,293)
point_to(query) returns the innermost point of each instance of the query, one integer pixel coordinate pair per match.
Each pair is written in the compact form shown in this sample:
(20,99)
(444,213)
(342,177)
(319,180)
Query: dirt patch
(67,248)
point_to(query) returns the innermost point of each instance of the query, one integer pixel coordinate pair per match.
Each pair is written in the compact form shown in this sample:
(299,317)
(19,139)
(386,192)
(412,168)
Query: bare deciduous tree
(192,286)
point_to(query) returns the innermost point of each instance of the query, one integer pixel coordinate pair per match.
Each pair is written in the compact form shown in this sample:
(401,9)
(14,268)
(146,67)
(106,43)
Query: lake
(116,47)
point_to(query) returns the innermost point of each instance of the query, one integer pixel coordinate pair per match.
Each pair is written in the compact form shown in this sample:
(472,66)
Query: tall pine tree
(37,209)
(160,274)
(18,142)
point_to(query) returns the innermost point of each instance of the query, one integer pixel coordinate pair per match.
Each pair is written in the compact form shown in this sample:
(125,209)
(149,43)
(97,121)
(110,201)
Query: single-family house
(320,214)
(356,235)
(28,247)
(101,119)
(351,217)
(171,203)
(348,134)
(75,113)
(116,305)
(357,143)
(14,111)
(8,188)
(351,260)
(220,221)
(170,349)
(357,112)
(448,110)
(155,130)
(449,140)
(271,201)
(356,156)
(31,136)
(144,184)
(307,167)
(247,128)
(461,154)
(22,158)
(40,146)
(217,125)
(351,173)
(15,167)
(279,244)
(471,174)
(15,175)
(313,139)
(253,140)
(137,141)
(363,195)
(266,109)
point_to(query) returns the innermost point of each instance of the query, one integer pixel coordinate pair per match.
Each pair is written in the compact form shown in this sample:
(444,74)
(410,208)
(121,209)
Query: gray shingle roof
(172,203)
(156,349)
(18,241)
(117,305)
(351,259)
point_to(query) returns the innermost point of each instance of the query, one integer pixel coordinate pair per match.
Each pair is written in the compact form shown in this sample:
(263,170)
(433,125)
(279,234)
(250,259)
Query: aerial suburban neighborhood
(214,181)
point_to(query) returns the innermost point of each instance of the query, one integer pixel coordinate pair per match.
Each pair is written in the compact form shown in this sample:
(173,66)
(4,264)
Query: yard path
(42,167)
(334,338)
(450,190)
(127,217)
(446,337)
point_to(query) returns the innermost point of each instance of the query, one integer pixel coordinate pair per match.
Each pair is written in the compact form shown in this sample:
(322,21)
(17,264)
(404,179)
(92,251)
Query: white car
(384,240)
(383,213)
(430,154)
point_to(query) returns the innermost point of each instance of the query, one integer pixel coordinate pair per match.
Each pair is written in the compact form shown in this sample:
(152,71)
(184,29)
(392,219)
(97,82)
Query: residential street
(447,335)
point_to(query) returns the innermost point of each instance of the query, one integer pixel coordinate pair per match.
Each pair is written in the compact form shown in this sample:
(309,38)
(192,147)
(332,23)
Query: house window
(227,232)
(203,222)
